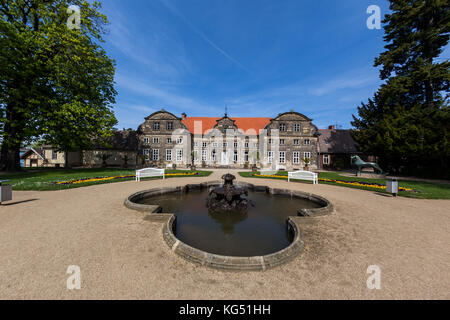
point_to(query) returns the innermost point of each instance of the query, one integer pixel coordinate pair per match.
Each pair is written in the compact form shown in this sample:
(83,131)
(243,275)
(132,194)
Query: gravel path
(121,256)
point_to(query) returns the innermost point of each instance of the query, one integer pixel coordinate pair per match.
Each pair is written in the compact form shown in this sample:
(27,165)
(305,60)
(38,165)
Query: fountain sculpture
(228,198)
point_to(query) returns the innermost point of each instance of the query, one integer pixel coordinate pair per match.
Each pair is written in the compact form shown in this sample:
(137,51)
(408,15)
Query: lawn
(48,179)
(423,190)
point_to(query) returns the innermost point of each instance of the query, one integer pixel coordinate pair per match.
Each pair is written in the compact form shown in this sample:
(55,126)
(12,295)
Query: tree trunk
(10,160)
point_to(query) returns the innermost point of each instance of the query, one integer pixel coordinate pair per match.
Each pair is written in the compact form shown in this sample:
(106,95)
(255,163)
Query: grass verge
(422,190)
(46,180)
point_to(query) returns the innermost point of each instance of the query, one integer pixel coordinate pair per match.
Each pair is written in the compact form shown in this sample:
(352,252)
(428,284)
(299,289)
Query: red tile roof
(244,124)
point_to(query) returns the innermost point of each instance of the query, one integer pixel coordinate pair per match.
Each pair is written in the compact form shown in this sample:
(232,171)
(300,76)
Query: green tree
(406,123)
(56,84)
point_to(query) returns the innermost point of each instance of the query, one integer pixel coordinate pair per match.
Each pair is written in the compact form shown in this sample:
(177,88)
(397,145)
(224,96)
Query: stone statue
(228,198)
(356,160)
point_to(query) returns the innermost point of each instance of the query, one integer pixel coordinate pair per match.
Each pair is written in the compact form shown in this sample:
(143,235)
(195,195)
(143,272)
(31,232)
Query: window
(282,127)
(169,140)
(270,156)
(255,145)
(246,156)
(270,141)
(180,140)
(296,157)
(282,156)
(236,144)
(282,142)
(155,155)
(179,155)
(297,127)
(204,144)
(195,144)
(296,142)
(168,154)
(54,155)
(155,140)
(326,159)
(307,155)
(146,140)
(235,156)
(169,126)
(156,126)
(146,153)
(307,142)
(225,144)
(327,141)
(214,144)
(204,155)
(246,145)
(214,155)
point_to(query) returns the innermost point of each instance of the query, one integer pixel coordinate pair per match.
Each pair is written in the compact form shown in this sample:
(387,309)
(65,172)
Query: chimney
(183,116)
(332,127)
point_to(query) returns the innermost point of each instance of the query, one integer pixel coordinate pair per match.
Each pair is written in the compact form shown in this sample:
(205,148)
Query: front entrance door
(224,159)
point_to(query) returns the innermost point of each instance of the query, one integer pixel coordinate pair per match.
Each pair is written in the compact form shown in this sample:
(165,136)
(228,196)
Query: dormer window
(297,127)
(282,127)
(156,126)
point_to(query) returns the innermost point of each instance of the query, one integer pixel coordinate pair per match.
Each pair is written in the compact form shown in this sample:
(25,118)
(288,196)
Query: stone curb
(229,263)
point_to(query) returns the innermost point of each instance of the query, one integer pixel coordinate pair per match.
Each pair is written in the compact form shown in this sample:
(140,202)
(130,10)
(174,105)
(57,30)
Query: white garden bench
(304,175)
(149,172)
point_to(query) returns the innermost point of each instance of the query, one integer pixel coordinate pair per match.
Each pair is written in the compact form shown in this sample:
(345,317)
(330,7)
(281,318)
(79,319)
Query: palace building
(284,142)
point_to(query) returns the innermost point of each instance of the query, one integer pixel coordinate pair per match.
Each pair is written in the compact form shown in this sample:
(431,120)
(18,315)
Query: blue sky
(257,57)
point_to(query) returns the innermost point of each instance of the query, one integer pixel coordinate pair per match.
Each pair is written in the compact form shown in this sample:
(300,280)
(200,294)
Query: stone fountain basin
(250,263)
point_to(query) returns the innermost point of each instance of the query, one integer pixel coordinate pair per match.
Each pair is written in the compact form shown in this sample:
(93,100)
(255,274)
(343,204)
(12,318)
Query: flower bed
(77,181)
(351,183)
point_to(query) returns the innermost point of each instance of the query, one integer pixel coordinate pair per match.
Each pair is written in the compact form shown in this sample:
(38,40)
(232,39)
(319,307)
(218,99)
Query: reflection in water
(262,230)
(228,220)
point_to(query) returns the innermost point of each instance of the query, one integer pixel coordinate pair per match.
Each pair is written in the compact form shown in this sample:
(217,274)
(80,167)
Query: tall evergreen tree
(56,83)
(406,124)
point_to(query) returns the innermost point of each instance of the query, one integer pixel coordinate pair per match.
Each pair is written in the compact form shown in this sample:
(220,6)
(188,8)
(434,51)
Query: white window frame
(180,140)
(270,155)
(146,140)
(296,142)
(296,157)
(168,154)
(169,140)
(169,124)
(179,154)
(326,159)
(214,155)
(214,144)
(235,156)
(282,157)
(156,126)
(236,144)
(246,156)
(204,155)
(283,127)
(156,140)
(204,144)
(282,142)
(155,155)
(307,155)
(297,127)
(307,142)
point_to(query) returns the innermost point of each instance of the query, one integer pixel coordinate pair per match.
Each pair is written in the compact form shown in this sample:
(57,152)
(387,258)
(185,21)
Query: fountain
(241,227)
(228,198)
